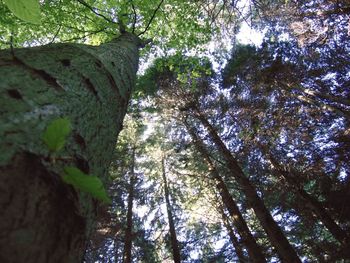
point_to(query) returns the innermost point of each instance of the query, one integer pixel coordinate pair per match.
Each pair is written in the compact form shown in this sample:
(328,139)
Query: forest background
(229,152)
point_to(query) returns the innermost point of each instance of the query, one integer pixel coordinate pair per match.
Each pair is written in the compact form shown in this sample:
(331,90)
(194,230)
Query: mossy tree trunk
(43,219)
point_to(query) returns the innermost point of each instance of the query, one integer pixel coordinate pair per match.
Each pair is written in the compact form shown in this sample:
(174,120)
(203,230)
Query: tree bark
(283,248)
(174,242)
(254,251)
(43,219)
(129,223)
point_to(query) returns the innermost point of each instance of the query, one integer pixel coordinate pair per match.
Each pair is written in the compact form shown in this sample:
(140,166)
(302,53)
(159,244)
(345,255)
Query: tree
(190,104)
(41,85)
(275,234)
(279,78)
(122,231)
(174,243)
(235,242)
(254,251)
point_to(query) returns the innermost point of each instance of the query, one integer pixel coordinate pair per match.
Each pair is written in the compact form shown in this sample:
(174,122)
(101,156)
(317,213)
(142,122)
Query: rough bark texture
(174,242)
(254,251)
(283,248)
(42,219)
(129,222)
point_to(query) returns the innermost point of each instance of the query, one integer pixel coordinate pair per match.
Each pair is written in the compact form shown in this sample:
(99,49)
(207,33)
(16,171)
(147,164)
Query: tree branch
(135,16)
(95,12)
(54,37)
(150,21)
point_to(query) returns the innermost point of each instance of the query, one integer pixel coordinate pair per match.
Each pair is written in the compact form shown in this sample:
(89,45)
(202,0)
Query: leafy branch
(153,16)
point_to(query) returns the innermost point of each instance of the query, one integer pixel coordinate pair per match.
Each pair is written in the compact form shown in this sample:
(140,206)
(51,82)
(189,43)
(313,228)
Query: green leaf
(86,183)
(27,10)
(56,133)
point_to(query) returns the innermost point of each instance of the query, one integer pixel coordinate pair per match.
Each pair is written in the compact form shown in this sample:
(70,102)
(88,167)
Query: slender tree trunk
(174,242)
(284,249)
(235,243)
(43,219)
(310,202)
(129,223)
(254,251)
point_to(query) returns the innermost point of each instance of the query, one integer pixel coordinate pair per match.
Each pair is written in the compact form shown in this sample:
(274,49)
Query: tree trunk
(235,243)
(254,251)
(43,219)
(284,249)
(174,242)
(129,222)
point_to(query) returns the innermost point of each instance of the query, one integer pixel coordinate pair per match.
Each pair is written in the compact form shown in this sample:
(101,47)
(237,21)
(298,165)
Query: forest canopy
(230,151)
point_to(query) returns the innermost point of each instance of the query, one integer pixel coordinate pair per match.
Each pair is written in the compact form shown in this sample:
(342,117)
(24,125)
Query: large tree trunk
(173,237)
(129,223)
(283,248)
(43,219)
(254,251)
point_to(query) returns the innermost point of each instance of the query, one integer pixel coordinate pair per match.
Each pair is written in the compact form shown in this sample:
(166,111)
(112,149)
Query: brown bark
(173,237)
(277,238)
(254,251)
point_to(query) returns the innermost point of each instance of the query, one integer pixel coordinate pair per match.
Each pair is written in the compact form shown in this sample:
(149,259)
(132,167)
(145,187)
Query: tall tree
(173,237)
(190,104)
(274,232)
(235,242)
(291,178)
(91,87)
(254,251)
(129,220)
(283,110)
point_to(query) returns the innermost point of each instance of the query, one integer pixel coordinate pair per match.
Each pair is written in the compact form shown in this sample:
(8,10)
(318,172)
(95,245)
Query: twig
(95,12)
(54,37)
(135,16)
(215,16)
(150,21)
(11,45)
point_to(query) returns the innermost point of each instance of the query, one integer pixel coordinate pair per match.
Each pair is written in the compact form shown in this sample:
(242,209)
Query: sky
(248,35)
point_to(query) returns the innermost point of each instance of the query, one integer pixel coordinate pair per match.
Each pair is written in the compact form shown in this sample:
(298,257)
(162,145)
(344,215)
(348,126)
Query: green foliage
(56,133)
(27,10)
(86,183)
(241,56)
(190,72)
